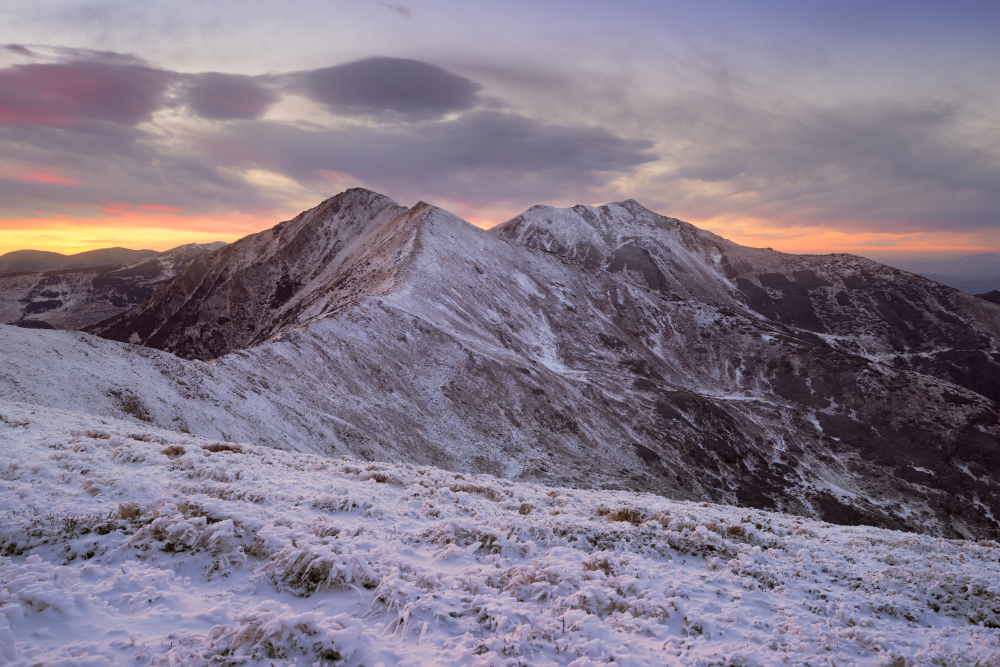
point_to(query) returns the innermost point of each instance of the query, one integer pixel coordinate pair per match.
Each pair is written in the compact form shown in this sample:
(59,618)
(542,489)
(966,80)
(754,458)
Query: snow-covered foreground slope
(126,544)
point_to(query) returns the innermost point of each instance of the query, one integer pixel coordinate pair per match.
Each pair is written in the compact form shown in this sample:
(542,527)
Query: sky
(817,127)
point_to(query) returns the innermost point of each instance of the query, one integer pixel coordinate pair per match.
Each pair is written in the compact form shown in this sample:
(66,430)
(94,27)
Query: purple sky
(820,126)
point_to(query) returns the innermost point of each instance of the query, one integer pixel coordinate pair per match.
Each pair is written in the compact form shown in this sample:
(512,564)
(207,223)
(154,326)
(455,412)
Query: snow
(121,543)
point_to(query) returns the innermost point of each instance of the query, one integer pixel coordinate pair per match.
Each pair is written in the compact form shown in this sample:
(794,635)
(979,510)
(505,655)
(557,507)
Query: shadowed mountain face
(993,296)
(72,298)
(322,260)
(596,346)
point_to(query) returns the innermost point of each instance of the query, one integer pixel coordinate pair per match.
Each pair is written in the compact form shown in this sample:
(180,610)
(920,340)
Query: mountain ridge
(71,298)
(425,339)
(45,260)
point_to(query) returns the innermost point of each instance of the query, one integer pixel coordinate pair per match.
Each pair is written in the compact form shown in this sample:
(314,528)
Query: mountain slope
(425,339)
(71,298)
(42,260)
(222,553)
(859,306)
(320,261)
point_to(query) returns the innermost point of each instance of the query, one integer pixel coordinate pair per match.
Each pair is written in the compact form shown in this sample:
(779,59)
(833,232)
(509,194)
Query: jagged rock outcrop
(589,346)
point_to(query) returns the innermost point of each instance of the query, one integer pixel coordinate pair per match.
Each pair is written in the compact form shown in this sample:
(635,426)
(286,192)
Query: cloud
(487,155)
(18,48)
(399,9)
(219,96)
(396,88)
(65,94)
(108,162)
(903,166)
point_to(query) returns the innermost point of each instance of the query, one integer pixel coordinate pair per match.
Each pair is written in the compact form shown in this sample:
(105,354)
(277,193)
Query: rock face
(347,248)
(72,298)
(589,346)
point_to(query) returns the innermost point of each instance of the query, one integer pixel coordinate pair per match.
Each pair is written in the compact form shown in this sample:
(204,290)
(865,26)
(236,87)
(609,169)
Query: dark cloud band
(219,96)
(387,86)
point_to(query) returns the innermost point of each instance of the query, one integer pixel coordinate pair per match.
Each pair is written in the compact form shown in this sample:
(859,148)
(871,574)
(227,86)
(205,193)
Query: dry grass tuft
(221,447)
(602,564)
(496,495)
(525,508)
(173,451)
(630,515)
(128,511)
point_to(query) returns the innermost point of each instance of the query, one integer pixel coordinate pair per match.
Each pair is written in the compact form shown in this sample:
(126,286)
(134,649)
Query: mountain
(972,273)
(71,298)
(42,260)
(970,285)
(982,265)
(856,305)
(347,248)
(992,296)
(593,346)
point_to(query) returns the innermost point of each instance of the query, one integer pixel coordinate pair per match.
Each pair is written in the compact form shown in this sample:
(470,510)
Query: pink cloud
(37,176)
(63,94)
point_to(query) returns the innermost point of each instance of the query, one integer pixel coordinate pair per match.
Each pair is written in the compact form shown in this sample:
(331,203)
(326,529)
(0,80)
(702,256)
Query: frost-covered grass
(124,544)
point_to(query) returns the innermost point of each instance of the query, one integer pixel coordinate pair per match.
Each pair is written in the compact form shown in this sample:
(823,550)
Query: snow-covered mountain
(366,328)
(857,305)
(72,298)
(124,544)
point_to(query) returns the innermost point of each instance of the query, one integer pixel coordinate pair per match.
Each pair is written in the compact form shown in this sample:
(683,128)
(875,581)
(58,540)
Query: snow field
(124,544)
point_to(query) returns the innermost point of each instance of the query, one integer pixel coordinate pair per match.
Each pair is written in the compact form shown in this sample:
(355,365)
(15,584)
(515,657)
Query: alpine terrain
(376,435)
(71,292)
(593,346)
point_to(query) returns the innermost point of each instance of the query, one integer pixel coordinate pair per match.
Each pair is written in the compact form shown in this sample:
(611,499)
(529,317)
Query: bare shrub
(223,447)
(128,455)
(736,531)
(602,564)
(383,478)
(173,451)
(493,494)
(129,511)
(630,515)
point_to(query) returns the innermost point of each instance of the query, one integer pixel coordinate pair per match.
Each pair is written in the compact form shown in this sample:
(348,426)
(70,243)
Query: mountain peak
(324,258)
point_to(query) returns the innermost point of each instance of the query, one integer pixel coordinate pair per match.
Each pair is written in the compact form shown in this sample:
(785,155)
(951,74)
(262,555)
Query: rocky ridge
(408,334)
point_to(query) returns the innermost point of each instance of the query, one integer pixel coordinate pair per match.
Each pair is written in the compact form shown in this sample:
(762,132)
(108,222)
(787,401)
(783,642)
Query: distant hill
(77,296)
(974,274)
(992,296)
(43,260)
